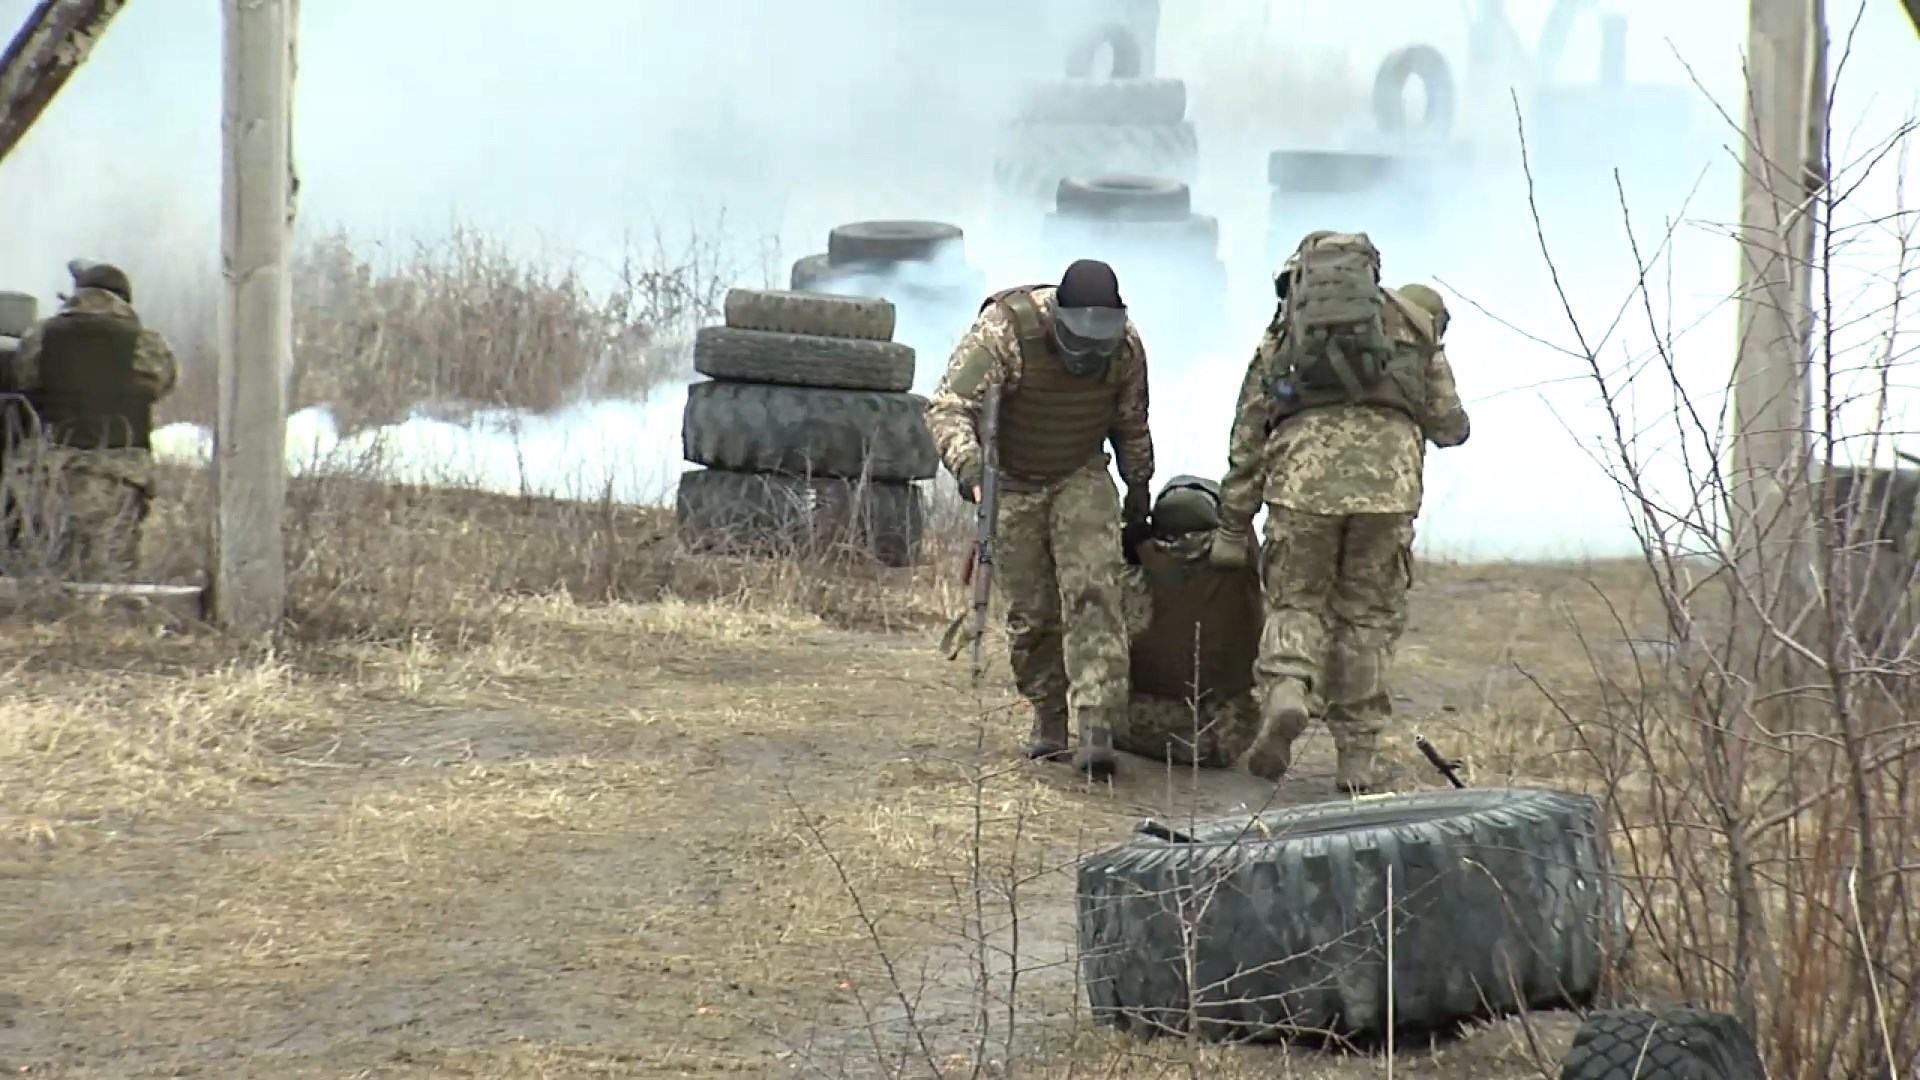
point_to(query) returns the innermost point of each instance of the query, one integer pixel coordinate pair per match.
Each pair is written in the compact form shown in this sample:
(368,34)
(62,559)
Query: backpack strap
(1030,327)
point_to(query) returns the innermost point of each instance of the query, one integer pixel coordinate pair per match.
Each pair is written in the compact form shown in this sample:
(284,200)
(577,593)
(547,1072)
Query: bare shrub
(1760,764)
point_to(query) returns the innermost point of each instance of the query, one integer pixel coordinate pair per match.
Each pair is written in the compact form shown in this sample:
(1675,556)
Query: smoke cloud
(566,128)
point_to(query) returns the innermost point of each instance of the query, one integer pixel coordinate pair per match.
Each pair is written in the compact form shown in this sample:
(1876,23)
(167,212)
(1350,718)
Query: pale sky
(564,129)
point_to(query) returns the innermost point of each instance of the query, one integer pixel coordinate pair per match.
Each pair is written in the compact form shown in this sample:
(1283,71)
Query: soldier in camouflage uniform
(91,374)
(1183,608)
(1339,464)
(1073,376)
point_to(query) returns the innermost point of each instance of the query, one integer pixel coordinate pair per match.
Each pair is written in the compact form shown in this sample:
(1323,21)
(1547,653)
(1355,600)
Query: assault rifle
(980,570)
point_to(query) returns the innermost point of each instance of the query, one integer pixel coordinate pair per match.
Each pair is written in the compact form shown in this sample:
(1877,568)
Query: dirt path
(646,857)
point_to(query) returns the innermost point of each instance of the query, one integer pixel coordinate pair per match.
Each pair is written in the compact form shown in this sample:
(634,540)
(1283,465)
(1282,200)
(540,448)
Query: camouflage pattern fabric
(1339,459)
(1336,590)
(990,352)
(79,514)
(153,357)
(1162,725)
(1058,570)
(85,510)
(1163,729)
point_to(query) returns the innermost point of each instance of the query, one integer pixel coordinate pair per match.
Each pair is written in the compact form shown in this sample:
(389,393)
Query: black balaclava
(1089,319)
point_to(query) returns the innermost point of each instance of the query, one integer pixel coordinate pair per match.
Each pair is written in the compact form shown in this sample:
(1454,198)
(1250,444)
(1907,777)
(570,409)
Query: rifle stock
(988,514)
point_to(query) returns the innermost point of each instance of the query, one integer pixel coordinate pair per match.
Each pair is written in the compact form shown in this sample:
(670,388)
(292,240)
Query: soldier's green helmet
(1429,301)
(1187,504)
(88,274)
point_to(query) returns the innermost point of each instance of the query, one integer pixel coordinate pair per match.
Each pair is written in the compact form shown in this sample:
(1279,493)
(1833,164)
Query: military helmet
(1428,300)
(88,274)
(1187,504)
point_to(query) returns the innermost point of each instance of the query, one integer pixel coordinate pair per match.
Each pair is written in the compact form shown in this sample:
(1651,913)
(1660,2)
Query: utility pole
(50,45)
(249,586)
(1783,175)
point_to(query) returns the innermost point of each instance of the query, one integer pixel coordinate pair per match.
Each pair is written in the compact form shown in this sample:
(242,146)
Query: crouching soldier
(1195,636)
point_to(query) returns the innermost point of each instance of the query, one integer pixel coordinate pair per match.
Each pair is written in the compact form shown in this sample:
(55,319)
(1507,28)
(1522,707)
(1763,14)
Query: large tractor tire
(1124,197)
(1032,159)
(870,242)
(765,356)
(1127,101)
(1501,898)
(1425,63)
(806,431)
(1671,1044)
(750,513)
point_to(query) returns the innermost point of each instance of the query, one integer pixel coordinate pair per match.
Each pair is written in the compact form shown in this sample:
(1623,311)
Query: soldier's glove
(1229,549)
(1136,522)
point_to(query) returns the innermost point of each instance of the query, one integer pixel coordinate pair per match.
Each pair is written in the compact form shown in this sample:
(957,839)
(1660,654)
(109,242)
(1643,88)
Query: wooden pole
(249,586)
(1772,508)
(51,44)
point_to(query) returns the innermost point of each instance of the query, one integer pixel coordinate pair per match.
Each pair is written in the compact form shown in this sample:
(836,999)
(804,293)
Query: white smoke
(562,131)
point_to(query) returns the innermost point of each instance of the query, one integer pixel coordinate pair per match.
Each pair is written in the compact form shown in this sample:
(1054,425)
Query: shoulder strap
(1028,325)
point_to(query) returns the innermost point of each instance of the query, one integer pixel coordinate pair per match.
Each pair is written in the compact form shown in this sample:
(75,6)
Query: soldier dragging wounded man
(1211,649)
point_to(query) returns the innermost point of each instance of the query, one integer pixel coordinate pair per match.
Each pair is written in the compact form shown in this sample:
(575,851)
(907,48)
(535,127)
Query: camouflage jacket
(955,407)
(1341,459)
(153,357)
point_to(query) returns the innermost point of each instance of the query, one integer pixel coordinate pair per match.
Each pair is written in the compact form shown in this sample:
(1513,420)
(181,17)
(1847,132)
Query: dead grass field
(532,794)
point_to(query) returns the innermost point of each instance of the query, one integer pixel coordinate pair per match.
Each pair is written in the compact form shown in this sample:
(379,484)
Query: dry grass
(527,790)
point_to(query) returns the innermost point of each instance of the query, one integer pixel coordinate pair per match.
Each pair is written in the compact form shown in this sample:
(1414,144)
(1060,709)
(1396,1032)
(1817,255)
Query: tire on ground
(1124,197)
(806,431)
(1124,43)
(1032,159)
(719,511)
(894,241)
(1103,101)
(18,312)
(1423,62)
(763,356)
(868,318)
(1501,898)
(1669,1044)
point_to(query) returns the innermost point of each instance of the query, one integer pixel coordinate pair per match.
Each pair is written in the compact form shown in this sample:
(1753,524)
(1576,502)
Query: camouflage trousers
(1164,729)
(1058,567)
(79,518)
(1336,605)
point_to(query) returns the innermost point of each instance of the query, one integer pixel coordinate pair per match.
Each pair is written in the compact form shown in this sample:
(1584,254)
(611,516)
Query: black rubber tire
(1124,197)
(1493,887)
(1116,36)
(18,312)
(962,284)
(1196,234)
(810,272)
(1328,171)
(894,242)
(1668,1044)
(1103,101)
(1032,159)
(723,512)
(801,430)
(863,318)
(1423,62)
(763,356)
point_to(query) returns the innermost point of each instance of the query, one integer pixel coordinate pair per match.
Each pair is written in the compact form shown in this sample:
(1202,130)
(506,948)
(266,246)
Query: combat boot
(1283,716)
(1355,768)
(1095,756)
(1048,741)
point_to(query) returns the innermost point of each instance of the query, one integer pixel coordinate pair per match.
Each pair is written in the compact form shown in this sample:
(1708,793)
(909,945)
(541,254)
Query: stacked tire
(920,266)
(1079,125)
(18,312)
(1391,176)
(810,439)
(1163,251)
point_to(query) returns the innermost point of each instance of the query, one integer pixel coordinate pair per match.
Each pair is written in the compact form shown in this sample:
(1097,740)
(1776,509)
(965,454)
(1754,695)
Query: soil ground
(671,835)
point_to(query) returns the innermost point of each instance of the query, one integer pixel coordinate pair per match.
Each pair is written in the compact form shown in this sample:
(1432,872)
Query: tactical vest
(89,396)
(1054,422)
(1403,389)
(1223,603)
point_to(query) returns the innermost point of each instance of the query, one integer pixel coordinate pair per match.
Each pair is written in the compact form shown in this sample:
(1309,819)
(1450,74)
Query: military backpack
(1334,313)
